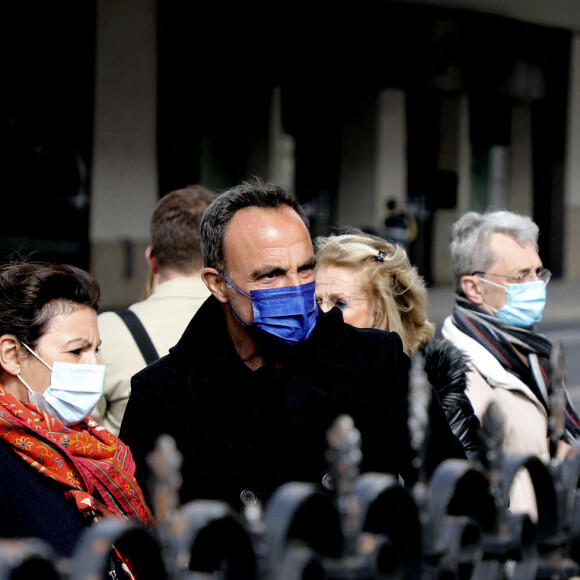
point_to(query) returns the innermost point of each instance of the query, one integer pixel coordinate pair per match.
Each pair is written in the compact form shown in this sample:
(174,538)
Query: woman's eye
(342,304)
(318,301)
(76,351)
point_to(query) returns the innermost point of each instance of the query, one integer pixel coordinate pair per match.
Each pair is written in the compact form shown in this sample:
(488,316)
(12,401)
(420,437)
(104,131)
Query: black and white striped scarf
(524,353)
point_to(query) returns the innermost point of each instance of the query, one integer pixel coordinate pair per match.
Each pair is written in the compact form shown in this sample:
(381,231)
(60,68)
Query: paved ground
(563,304)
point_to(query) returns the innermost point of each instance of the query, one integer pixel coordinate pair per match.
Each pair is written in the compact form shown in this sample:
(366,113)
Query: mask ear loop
(36,355)
(24,383)
(30,389)
(230,283)
(234,286)
(484,281)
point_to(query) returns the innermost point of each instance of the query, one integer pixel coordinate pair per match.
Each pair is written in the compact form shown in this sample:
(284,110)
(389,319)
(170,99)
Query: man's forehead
(503,243)
(259,225)
(509,250)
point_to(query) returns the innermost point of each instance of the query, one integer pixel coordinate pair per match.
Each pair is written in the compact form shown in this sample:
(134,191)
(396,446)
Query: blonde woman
(374,285)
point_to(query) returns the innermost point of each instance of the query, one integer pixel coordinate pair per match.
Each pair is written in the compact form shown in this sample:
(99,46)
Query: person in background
(148,329)
(60,470)
(373,284)
(400,227)
(500,286)
(259,375)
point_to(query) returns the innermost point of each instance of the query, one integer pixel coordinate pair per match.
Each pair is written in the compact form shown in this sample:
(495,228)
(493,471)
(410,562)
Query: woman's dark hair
(32,294)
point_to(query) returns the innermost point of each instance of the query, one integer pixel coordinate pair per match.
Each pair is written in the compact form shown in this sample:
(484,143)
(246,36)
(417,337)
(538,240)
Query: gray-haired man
(501,293)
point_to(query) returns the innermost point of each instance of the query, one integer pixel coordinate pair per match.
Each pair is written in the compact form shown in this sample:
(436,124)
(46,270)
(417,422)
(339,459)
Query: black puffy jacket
(446,367)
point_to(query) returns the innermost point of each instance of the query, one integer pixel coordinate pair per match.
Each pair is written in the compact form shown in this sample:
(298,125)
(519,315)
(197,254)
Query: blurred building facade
(445,106)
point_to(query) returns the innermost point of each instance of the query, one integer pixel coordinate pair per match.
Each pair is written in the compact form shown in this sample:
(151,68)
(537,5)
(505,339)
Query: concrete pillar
(521,184)
(281,147)
(124,169)
(373,164)
(454,155)
(358,165)
(463,158)
(499,172)
(391,176)
(572,169)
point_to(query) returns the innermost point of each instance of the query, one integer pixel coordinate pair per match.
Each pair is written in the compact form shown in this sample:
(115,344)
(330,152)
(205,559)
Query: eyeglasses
(342,303)
(542,274)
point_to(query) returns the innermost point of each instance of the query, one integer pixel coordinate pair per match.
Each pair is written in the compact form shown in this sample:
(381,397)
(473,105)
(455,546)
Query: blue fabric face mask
(524,303)
(74,391)
(286,315)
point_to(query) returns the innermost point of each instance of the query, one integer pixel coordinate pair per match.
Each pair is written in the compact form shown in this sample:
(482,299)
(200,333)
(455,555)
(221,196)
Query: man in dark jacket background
(258,377)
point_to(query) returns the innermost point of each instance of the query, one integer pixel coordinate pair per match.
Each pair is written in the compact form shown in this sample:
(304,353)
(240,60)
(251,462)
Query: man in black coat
(258,377)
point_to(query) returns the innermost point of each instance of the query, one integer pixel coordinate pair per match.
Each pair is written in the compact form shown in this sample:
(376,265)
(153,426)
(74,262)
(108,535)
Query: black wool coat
(32,505)
(243,430)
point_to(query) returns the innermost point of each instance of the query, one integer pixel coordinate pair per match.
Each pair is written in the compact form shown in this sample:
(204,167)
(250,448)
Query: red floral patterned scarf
(93,466)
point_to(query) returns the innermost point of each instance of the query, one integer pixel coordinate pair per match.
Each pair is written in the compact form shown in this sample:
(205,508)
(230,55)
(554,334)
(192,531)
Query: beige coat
(165,315)
(525,419)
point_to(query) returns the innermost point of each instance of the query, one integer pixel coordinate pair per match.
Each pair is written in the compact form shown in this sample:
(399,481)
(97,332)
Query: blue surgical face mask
(524,303)
(286,315)
(74,390)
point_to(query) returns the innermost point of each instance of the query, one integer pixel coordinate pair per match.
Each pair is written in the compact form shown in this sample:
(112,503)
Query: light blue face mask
(524,305)
(74,391)
(286,315)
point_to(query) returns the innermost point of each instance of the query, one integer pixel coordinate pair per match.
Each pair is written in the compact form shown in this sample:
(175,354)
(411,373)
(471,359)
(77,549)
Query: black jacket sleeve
(138,429)
(446,368)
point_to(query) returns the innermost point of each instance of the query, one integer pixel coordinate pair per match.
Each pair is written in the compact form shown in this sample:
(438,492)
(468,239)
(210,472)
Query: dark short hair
(32,294)
(175,228)
(216,219)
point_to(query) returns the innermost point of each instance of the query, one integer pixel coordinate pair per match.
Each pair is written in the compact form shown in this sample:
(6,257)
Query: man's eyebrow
(267,270)
(275,269)
(309,265)
(526,270)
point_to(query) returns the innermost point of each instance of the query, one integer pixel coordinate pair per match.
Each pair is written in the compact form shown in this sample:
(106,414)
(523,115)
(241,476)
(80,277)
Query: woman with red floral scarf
(59,470)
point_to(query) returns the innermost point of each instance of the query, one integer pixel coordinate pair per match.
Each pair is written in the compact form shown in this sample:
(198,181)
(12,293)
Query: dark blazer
(240,429)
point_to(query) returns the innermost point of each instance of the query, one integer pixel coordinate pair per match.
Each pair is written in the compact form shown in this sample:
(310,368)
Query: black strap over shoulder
(140,335)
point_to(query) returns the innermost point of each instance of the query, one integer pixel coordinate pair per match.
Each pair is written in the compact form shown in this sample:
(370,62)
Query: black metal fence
(456,525)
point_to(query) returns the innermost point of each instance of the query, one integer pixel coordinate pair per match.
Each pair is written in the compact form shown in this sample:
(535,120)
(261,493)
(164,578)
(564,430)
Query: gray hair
(216,219)
(469,244)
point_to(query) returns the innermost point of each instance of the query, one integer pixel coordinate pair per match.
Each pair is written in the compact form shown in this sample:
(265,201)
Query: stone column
(124,170)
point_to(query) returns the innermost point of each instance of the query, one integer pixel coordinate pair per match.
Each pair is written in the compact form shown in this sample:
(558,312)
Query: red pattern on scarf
(94,467)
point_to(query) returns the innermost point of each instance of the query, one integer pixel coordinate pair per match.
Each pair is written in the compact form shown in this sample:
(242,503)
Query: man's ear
(10,354)
(151,260)
(473,289)
(215,283)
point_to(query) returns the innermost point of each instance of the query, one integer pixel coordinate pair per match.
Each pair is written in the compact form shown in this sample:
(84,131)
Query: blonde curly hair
(397,293)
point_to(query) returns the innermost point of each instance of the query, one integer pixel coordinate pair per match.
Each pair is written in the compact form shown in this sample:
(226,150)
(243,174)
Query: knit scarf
(524,353)
(93,467)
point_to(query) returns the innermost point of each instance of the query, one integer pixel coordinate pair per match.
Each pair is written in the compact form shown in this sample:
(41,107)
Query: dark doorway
(47,130)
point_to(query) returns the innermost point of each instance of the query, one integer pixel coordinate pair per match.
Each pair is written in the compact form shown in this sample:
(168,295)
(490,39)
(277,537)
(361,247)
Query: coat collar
(332,343)
(484,362)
